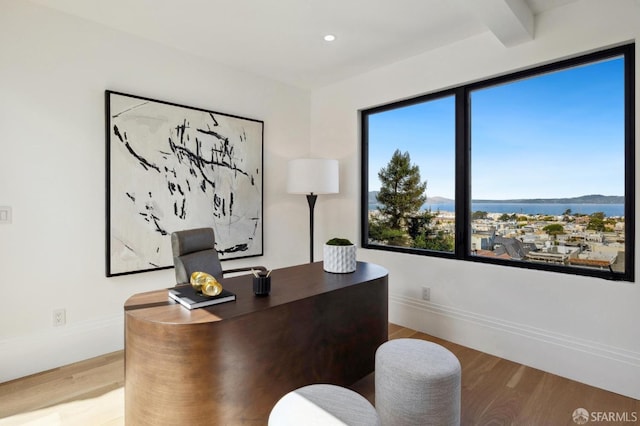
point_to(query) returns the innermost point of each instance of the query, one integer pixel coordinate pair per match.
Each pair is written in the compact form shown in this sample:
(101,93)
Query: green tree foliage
(596,221)
(419,224)
(400,221)
(401,192)
(379,231)
(554,229)
(479,214)
(423,235)
(610,224)
(438,242)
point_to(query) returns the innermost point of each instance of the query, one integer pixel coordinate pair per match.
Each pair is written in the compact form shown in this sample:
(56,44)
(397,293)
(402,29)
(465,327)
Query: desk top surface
(287,285)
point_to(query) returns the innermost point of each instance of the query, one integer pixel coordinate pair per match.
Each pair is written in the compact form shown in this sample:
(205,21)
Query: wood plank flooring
(78,381)
(494,392)
(500,392)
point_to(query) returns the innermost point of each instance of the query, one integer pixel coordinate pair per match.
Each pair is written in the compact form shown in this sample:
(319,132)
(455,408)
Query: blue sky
(555,135)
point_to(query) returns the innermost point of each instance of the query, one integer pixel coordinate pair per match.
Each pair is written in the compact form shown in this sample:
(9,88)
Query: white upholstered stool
(417,383)
(323,405)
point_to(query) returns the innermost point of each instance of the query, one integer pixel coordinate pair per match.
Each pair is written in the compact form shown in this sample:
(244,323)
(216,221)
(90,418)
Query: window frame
(462,95)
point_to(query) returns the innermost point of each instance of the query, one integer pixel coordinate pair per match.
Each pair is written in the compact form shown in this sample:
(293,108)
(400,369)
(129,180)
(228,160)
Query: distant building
(512,246)
(594,260)
(547,257)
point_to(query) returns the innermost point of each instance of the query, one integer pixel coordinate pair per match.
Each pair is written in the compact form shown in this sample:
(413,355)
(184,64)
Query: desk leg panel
(167,373)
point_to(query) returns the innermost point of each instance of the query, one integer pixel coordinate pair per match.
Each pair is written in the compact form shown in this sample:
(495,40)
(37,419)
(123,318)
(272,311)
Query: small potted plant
(339,256)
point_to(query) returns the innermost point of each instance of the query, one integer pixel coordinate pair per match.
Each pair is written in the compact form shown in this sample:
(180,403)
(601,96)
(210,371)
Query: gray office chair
(194,250)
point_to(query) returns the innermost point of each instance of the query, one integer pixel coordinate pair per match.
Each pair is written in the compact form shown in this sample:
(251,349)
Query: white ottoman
(323,405)
(417,383)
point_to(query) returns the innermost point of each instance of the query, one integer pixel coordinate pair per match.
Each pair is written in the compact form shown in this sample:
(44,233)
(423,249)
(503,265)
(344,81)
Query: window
(533,169)
(403,141)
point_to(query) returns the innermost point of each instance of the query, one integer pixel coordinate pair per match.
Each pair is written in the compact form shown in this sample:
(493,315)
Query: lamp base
(311,200)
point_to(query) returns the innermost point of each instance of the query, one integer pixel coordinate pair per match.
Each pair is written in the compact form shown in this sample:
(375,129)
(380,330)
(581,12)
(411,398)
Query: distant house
(512,246)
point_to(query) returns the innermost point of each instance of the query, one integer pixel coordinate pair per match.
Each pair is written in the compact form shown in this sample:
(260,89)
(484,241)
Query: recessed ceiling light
(329,37)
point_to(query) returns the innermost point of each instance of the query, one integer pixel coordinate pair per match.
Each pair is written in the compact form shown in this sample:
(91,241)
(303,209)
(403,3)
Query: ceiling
(283,39)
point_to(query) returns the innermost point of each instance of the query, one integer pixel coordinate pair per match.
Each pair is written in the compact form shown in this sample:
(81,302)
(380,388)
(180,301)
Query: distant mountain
(584,199)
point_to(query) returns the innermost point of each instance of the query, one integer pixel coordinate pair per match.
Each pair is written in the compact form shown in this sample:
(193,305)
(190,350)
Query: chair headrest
(192,240)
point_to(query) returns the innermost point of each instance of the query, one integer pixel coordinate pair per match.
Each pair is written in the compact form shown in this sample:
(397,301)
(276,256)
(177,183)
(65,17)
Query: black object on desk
(262,284)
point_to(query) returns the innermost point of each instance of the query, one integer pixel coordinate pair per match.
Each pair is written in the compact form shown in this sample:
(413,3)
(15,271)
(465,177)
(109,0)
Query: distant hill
(584,199)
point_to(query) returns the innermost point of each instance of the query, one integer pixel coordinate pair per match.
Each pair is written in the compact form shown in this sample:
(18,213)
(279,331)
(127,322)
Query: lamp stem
(311,199)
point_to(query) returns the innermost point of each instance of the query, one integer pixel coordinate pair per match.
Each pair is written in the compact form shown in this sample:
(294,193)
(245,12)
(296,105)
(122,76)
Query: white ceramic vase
(339,259)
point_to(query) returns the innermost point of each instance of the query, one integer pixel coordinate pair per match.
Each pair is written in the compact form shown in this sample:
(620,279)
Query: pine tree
(401,192)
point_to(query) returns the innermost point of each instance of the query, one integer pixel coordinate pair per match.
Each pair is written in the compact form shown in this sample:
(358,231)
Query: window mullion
(463,173)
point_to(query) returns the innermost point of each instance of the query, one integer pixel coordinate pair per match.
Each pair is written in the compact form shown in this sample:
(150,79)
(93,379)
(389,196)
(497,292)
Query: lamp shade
(312,176)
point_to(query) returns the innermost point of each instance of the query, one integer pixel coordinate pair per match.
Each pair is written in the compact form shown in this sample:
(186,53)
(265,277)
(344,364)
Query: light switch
(5,214)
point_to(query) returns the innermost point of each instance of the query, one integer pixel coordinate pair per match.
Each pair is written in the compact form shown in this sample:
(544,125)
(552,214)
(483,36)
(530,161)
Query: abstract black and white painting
(172,167)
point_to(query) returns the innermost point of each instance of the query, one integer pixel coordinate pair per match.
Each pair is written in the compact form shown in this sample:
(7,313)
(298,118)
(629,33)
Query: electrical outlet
(426,293)
(59,317)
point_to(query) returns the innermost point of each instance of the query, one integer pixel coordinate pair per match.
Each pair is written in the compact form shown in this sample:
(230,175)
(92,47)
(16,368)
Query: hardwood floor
(494,392)
(79,381)
(500,392)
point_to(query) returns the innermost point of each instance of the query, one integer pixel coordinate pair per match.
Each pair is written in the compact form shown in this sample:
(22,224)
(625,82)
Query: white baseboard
(25,355)
(610,368)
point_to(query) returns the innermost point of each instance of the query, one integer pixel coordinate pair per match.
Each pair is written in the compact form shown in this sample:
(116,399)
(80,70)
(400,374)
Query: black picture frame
(171,167)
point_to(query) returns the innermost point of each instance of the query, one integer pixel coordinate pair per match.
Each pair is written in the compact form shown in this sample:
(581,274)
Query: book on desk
(188,297)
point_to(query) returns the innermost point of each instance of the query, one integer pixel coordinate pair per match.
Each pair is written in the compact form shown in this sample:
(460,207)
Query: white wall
(54,69)
(579,327)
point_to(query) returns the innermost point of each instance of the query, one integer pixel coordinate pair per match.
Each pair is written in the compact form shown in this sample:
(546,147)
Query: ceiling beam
(511,21)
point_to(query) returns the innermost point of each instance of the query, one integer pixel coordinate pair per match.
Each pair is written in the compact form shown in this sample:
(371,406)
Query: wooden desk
(230,363)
